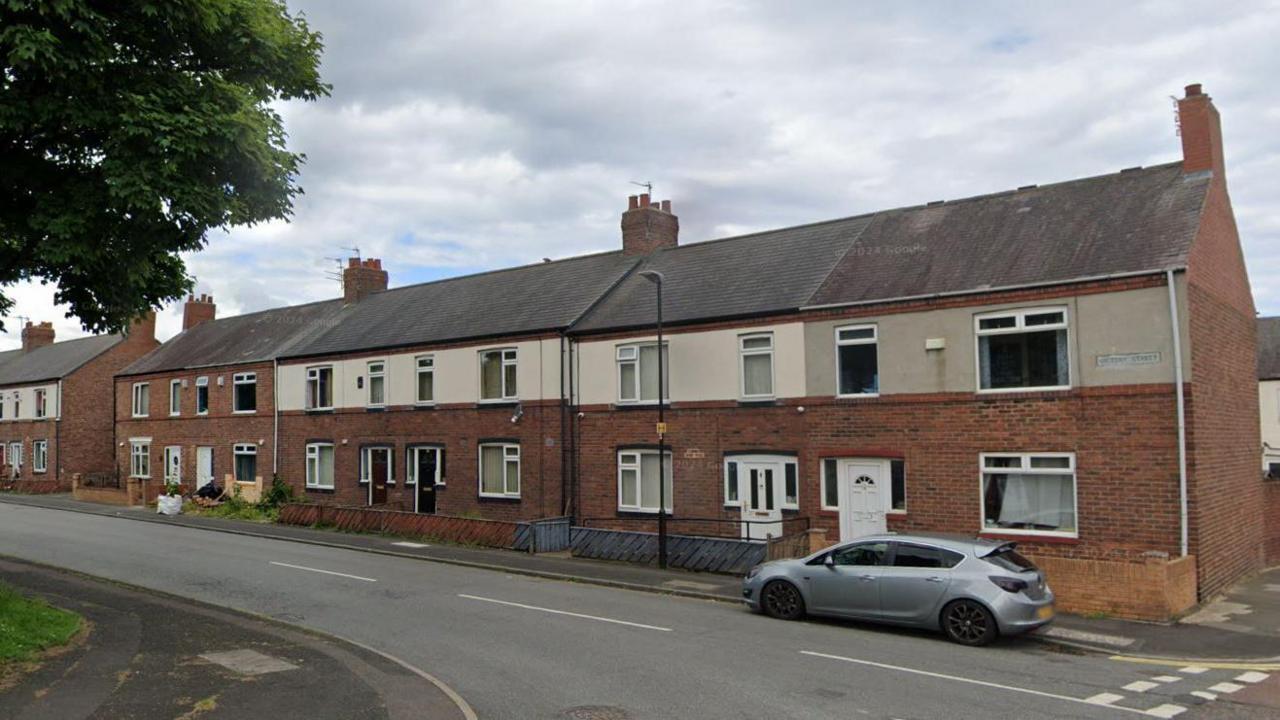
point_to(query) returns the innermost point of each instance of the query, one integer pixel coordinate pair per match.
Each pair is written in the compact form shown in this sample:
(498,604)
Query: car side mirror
(829,561)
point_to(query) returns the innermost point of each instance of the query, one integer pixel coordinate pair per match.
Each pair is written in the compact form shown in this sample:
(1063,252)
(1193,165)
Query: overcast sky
(467,136)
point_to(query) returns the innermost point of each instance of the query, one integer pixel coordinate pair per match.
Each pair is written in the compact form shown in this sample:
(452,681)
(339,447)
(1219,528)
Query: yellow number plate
(1045,612)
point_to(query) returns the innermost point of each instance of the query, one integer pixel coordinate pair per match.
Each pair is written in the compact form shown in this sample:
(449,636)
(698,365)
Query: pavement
(521,646)
(1243,626)
(150,656)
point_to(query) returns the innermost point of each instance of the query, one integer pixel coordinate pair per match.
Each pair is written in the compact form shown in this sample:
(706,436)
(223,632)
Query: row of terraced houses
(1070,365)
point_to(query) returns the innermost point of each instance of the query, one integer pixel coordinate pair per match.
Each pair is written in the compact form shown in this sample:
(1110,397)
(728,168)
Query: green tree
(130,129)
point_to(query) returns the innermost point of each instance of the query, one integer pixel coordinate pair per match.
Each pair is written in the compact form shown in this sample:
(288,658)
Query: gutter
(1182,413)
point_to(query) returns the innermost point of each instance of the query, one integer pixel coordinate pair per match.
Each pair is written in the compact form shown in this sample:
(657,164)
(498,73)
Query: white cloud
(464,136)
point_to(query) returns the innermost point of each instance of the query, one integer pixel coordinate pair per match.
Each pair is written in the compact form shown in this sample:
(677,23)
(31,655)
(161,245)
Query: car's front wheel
(782,600)
(969,623)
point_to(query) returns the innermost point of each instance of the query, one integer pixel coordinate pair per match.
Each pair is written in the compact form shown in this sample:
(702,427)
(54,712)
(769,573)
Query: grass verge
(29,626)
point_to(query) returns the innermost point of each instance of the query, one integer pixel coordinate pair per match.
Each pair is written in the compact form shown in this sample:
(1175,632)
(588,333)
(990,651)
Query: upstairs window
(1023,349)
(377,372)
(756,359)
(500,470)
(638,373)
(498,375)
(244,388)
(141,400)
(41,403)
(17,405)
(320,388)
(175,397)
(1025,493)
(202,396)
(426,393)
(320,466)
(857,367)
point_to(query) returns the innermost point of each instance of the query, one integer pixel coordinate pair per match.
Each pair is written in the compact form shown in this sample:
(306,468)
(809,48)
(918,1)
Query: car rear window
(1011,560)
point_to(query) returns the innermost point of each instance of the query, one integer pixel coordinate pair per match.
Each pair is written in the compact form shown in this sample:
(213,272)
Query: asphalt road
(520,647)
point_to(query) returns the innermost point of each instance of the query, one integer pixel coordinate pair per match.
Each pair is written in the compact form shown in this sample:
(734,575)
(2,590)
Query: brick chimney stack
(1201,131)
(648,226)
(35,336)
(361,278)
(142,329)
(197,310)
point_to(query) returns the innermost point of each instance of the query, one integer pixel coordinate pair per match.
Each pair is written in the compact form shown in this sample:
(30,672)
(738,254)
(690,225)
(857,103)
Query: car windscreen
(1011,560)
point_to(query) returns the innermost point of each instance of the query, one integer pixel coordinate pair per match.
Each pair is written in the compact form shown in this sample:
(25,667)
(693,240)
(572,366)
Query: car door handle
(934,579)
(868,577)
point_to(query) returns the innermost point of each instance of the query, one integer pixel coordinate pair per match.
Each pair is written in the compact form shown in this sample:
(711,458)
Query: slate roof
(54,361)
(1269,348)
(239,339)
(545,296)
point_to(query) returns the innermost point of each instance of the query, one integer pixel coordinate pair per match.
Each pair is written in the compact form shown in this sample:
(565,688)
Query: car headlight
(754,571)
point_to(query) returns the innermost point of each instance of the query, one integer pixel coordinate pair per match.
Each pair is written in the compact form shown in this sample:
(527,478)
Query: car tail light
(1008,584)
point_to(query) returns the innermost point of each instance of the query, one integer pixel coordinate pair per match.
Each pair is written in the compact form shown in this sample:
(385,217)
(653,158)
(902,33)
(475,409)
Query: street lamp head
(652,276)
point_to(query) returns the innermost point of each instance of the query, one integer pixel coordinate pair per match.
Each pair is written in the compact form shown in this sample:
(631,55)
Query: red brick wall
(1124,439)
(1271,511)
(458,427)
(1223,434)
(27,432)
(220,429)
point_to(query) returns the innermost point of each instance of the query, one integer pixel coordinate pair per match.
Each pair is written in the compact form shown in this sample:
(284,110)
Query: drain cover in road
(248,662)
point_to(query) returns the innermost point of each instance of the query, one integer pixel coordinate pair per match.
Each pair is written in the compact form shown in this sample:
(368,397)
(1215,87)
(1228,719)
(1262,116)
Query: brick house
(1071,366)
(55,404)
(201,407)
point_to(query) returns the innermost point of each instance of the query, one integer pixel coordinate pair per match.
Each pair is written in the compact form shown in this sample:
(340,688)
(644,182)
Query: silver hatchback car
(974,590)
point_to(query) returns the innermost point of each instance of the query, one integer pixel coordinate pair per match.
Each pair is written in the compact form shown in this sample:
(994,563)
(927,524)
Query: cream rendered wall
(457,375)
(27,402)
(1269,405)
(704,365)
(1132,321)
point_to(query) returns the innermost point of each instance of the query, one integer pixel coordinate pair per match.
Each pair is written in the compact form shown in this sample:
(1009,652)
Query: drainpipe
(1182,409)
(275,418)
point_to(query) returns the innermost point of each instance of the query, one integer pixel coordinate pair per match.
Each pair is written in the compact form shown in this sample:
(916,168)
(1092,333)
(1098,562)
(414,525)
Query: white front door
(762,507)
(863,484)
(204,466)
(173,464)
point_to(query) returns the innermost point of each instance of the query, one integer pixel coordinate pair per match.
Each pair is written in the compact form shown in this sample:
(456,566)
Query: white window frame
(370,374)
(873,340)
(629,354)
(1020,327)
(244,449)
(311,400)
(244,378)
(886,468)
(202,382)
(175,398)
(17,404)
(744,353)
(313,466)
(781,461)
(39,456)
(366,463)
(625,464)
(139,403)
(420,369)
(510,454)
(1026,469)
(509,357)
(18,455)
(169,452)
(139,455)
(411,463)
(40,405)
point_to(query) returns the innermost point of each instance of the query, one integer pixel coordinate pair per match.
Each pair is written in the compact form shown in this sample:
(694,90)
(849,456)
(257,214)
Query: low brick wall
(1271,518)
(35,487)
(106,496)
(1156,589)
(469,531)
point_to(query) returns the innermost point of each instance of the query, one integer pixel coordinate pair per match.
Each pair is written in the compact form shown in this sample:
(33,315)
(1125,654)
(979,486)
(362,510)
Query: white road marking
(971,681)
(1104,699)
(1140,686)
(1226,687)
(564,612)
(1166,711)
(1252,677)
(1194,670)
(1166,678)
(1204,695)
(326,572)
(411,544)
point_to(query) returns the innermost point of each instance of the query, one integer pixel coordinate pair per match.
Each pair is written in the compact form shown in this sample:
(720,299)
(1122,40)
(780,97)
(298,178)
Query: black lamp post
(656,278)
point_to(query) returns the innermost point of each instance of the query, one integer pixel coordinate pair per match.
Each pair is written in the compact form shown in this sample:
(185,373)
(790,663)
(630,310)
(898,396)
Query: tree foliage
(130,129)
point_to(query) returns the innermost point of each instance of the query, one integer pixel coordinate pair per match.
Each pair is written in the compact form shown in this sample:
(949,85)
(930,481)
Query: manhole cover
(597,712)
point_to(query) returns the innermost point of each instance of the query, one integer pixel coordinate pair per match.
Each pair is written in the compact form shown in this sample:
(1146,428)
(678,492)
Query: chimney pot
(1193,89)
(633,202)
(644,199)
(666,206)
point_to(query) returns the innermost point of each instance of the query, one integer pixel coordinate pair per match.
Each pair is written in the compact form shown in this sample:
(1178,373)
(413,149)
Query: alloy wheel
(782,600)
(969,623)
